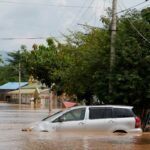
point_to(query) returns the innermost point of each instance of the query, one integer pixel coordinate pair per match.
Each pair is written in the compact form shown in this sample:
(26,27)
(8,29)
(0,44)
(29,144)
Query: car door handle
(111,121)
(81,123)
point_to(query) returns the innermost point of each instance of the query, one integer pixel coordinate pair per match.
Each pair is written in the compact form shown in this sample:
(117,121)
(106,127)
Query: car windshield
(52,116)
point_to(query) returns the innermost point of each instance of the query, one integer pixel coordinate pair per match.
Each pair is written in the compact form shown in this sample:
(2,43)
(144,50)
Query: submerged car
(92,118)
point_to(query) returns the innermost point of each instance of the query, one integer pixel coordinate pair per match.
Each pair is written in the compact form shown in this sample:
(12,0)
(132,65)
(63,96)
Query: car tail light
(137,122)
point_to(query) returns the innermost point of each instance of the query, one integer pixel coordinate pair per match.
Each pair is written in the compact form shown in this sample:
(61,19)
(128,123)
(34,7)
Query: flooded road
(13,119)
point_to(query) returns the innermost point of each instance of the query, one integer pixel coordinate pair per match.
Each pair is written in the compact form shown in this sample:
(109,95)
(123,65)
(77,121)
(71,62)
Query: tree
(1,60)
(87,59)
(41,62)
(12,66)
(145,14)
(80,66)
(131,77)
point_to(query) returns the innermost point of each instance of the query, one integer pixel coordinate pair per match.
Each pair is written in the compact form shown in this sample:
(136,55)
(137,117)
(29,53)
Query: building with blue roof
(10,86)
(30,93)
(13,85)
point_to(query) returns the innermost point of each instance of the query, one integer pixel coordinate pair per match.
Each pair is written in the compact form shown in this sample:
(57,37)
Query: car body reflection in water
(86,141)
(11,136)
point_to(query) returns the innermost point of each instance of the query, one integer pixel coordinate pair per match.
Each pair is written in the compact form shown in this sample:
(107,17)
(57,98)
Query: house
(29,93)
(8,87)
(32,93)
(36,94)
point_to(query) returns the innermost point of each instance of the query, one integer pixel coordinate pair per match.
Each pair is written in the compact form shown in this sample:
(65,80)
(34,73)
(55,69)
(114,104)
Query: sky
(21,20)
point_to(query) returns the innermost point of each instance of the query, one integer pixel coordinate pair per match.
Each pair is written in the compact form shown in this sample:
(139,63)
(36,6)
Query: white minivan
(92,118)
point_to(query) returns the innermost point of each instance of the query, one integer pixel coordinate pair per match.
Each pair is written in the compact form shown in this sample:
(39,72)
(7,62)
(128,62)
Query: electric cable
(85,11)
(27,38)
(131,7)
(43,4)
(139,33)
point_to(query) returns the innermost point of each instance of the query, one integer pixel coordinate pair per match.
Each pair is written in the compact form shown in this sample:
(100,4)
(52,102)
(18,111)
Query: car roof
(112,106)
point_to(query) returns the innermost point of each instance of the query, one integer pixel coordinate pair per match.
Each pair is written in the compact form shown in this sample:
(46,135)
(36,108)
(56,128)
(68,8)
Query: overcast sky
(44,18)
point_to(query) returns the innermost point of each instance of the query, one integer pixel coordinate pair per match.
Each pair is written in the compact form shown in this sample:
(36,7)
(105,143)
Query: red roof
(69,104)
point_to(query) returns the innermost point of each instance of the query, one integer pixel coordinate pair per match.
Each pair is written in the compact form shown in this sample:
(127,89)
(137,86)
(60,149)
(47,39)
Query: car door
(100,119)
(123,118)
(73,120)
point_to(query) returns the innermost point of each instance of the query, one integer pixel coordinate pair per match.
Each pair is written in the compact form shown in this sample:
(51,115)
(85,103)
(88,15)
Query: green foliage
(84,60)
(13,67)
(1,60)
(5,74)
(131,76)
(146,14)
(81,65)
(42,61)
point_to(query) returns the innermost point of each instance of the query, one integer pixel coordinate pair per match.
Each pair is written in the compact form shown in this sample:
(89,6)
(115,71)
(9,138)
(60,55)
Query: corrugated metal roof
(34,86)
(12,85)
(22,91)
(25,91)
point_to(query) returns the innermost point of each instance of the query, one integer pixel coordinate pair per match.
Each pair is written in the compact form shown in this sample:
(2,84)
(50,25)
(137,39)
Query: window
(122,113)
(100,113)
(49,118)
(73,115)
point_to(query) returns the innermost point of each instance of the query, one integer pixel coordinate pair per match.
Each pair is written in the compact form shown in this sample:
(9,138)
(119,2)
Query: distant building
(8,87)
(29,93)
(34,93)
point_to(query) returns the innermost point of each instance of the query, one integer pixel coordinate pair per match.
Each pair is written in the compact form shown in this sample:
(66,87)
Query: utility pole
(19,84)
(51,97)
(50,100)
(113,38)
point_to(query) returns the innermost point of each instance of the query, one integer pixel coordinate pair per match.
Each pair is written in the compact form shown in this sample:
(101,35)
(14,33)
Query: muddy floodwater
(13,119)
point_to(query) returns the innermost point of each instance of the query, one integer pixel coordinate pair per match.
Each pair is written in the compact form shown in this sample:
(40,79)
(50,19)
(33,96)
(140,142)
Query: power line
(96,3)
(27,38)
(89,26)
(139,33)
(77,15)
(144,6)
(104,5)
(45,4)
(101,8)
(85,10)
(37,38)
(131,7)
(66,6)
(92,16)
(20,38)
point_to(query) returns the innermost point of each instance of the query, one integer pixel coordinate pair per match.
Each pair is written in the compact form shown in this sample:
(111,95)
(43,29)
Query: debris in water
(27,129)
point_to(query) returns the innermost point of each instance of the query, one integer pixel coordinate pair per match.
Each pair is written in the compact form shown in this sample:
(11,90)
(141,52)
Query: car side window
(73,115)
(122,113)
(100,113)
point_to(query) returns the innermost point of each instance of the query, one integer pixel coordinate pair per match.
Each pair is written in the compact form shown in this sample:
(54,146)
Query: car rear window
(122,113)
(100,113)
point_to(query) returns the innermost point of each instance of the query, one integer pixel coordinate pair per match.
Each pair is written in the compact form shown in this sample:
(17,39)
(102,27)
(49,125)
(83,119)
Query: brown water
(12,120)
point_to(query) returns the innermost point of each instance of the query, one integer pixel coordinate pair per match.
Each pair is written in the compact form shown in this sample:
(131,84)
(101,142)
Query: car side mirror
(61,119)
